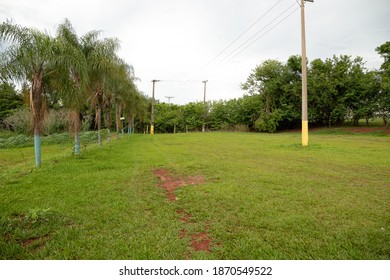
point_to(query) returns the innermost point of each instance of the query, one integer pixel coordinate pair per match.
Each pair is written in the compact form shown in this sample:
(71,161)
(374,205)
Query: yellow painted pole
(305,122)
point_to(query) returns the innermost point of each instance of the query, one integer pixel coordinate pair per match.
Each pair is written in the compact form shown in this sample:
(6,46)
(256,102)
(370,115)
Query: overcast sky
(177,41)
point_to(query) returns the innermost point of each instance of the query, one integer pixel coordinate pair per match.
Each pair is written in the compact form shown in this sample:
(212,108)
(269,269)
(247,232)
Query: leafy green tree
(277,85)
(322,94)
(383,102)
(168,117)
(193,113)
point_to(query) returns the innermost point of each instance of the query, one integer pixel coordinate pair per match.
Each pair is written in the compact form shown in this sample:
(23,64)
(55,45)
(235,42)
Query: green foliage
(56,121)
(37,215)
(339,89)
(167,116)
(9,99)
(269,122)
(383,104)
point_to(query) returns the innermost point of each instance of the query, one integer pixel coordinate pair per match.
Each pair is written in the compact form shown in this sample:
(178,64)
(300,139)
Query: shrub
(269,121)
(56,121)
(18,121)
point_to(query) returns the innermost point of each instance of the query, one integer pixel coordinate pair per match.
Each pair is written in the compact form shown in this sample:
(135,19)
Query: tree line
(340,89)
(77,73)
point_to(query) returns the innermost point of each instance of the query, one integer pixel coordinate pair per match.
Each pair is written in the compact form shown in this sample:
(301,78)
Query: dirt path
(201,241)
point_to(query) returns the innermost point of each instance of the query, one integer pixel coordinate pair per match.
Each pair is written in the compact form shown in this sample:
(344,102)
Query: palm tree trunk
(132,122)
(118,112)
(99,97)
(99,123)
(37,148)
(117,120)
(75,124)
(128,125)
(77,143)
(108,119)
(37,110)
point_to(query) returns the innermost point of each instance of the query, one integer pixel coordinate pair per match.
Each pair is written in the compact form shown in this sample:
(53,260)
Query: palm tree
(135,106)
(101,59)
(73,77)
(123,86)
(30,57)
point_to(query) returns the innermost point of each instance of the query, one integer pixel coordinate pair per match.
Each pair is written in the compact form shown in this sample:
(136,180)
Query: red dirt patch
(170,183)
(185,217)
(199,241)
(39,241)
(362,129)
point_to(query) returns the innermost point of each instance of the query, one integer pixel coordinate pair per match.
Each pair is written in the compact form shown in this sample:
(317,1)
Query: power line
(245,45)
(243,33)
(261,31)
(279,22)
(236,39)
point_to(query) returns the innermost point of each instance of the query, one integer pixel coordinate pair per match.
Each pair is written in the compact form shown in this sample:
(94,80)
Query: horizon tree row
(340,89)
(77,72)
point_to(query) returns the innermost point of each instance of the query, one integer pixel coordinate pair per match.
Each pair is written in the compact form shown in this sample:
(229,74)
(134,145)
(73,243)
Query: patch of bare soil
(170,182)
(362,129)
(36,243)
(201,241)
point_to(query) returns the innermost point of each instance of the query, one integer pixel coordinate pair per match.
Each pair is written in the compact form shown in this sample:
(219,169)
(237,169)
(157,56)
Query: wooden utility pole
(305,121)
(204,106)
(152,113)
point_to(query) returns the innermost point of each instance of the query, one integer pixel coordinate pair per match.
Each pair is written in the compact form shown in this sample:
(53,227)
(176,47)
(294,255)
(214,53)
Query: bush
(268,122)
(18,121)
(56,121)
(86,123)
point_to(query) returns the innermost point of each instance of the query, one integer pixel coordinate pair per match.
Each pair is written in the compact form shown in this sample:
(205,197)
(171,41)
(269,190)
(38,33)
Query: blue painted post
(108,135)
(37,149)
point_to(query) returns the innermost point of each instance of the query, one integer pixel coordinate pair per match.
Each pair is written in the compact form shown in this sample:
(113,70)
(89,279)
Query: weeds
(22,234)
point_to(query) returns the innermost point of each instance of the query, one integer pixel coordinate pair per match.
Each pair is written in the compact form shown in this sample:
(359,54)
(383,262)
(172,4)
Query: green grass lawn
(263,197)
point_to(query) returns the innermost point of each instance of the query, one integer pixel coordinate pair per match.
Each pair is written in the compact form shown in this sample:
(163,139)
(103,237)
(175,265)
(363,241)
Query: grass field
(259,196)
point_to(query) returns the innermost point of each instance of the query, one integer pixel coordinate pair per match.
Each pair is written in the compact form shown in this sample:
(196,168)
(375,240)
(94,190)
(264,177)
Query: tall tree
(72,80)
(383,104)
(102,59)
(29,57)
